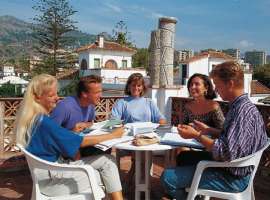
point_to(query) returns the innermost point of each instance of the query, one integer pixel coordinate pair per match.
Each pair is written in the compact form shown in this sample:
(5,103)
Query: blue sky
(202,24)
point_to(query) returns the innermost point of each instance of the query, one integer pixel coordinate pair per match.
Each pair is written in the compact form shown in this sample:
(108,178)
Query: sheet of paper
(177,140)
(110,143)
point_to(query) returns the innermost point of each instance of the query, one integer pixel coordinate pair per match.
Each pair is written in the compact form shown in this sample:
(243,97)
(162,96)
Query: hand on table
(187,131)
(118,132)
(79,127)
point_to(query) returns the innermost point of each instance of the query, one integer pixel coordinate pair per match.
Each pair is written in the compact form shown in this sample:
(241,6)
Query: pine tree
(121,34)
(50,30)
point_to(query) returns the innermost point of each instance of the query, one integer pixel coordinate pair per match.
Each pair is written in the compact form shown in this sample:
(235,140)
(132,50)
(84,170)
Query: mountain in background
(16,38)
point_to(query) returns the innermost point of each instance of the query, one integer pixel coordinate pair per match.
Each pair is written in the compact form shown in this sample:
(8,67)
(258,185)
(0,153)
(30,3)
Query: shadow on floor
(17,185)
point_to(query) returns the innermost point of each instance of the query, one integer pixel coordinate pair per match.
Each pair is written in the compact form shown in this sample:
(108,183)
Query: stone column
(167,32)
(154,57)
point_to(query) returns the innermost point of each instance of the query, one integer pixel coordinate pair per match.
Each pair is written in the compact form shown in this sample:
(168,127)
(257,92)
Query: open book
(177,140)
(105,145)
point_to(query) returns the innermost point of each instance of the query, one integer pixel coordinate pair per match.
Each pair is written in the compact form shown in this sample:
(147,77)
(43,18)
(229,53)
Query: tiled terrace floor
(18,185)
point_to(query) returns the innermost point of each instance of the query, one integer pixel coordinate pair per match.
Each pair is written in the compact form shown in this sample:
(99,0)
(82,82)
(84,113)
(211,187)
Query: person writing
(44,138)
(243,133)
(77,113)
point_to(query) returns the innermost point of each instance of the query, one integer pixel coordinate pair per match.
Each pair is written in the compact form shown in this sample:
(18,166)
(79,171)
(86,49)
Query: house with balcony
(201,63)
(204,62)
(110,60)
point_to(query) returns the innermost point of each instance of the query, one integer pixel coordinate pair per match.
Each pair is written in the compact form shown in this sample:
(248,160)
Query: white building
(204,62)
(103,54)
(110,60)
(8,71)
(182,55)
(15,80)
(235,53)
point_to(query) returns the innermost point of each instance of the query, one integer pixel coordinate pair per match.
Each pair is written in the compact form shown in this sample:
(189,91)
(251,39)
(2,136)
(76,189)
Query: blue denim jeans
(175,180)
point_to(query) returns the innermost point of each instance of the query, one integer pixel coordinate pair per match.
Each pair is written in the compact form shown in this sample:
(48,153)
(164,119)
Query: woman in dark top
(199,112)
(202,108)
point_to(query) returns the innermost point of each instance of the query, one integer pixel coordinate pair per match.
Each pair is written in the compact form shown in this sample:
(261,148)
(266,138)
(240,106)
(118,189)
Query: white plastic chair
(35,163)
(247,194)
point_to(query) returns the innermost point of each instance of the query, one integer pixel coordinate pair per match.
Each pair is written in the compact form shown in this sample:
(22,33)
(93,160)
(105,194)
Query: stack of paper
(177,140)
(110,143)
(107,124)
(141,127)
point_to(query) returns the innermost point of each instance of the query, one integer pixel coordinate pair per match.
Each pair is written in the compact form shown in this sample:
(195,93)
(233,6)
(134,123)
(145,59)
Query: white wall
(198,66)
(120,73)
(203,66)
(161,97)
(247,83)
(8,71)
(214,61)
(113,75)
(104,56)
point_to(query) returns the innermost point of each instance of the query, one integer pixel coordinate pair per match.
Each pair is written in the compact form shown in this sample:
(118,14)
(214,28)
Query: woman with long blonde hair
(44,138)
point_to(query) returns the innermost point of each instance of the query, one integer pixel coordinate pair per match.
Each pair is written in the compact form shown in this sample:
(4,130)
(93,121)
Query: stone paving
(17,185)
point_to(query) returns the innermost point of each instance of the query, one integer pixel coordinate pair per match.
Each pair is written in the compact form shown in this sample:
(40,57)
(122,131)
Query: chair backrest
(250,160)
(254,160)
(36,163)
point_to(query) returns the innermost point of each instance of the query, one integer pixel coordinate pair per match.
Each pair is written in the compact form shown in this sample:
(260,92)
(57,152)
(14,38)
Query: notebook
(176,140)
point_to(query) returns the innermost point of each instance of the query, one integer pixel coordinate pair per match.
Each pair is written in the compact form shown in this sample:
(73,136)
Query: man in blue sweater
(78,112)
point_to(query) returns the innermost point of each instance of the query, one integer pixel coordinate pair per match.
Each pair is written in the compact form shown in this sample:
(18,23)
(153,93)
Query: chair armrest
(202,165)
(250,160)
(87,169)
(35,162)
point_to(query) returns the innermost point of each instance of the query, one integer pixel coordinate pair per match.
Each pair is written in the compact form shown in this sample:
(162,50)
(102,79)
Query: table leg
(170,156)
(142,184)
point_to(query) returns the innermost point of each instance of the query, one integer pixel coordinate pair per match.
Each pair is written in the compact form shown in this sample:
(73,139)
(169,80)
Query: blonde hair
(30,108)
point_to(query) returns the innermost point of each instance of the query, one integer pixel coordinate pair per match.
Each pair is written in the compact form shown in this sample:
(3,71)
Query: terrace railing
(9,107)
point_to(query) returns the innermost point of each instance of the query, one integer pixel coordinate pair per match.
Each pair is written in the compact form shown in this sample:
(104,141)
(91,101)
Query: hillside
(16,38)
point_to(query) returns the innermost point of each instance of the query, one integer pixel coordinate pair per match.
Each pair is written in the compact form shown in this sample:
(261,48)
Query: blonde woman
(44,138)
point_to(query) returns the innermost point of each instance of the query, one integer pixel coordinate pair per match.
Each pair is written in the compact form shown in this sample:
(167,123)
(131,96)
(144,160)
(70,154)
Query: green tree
(50,31)
(10,90)
(121,35)
(22,63)
(262,74)
(141,58)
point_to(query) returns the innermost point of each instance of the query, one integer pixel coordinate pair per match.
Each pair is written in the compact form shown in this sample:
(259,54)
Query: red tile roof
(259,88)
(210,54)
(111,46)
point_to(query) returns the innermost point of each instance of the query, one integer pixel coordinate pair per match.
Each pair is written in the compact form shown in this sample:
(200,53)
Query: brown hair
(210,94)
(85,81)
(135,77)
(230,70)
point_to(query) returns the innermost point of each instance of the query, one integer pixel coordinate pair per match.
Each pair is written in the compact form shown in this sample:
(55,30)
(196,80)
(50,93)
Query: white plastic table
(143,185)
